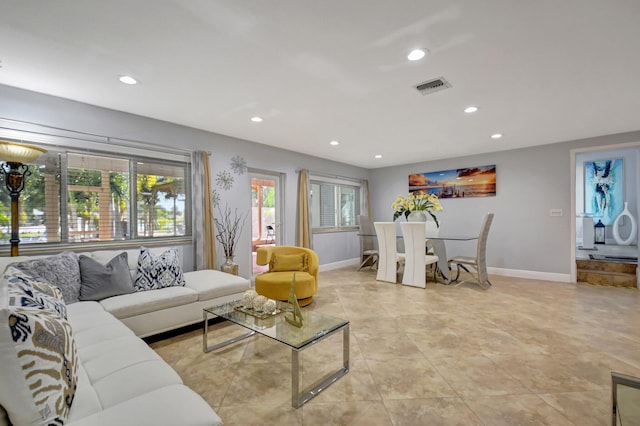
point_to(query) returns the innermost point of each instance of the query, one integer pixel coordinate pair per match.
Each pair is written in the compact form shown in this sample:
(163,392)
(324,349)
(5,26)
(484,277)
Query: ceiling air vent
(433,85)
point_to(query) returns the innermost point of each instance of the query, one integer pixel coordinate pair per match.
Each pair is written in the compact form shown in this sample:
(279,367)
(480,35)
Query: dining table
(437,242)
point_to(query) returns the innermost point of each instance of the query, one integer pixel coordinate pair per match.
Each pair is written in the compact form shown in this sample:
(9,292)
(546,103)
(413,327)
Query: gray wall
(28,106)
(530,182)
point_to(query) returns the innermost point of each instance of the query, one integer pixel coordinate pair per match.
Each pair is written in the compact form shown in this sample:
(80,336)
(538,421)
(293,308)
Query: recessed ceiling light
(496,136)
(334,143)
(416,54)
(378,156)
(470,109)
(127,79)
(256,119)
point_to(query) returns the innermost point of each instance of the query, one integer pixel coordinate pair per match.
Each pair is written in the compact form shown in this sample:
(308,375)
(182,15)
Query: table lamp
(14,169)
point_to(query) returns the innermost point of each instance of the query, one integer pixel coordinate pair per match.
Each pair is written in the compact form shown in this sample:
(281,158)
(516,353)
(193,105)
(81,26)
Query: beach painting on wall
(603,189)
(456,183)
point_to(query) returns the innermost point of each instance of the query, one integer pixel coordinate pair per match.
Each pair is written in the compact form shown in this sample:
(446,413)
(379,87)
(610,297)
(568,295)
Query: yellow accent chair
(283,262)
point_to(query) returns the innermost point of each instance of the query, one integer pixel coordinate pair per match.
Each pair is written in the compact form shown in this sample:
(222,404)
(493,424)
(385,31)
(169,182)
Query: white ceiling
(541,71)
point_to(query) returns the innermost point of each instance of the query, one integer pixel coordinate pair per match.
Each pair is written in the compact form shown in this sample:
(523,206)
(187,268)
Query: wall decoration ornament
(224,180)
(294,313)
(477,181)
(238,165)
(618,222)
(215,198)
(603,189)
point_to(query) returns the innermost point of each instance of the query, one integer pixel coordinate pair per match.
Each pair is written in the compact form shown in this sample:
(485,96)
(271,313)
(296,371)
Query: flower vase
(417,216)
(618,222)
(229,266)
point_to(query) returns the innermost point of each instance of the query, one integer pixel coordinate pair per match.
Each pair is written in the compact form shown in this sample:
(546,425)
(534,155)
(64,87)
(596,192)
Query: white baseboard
(518,273)
(338,265)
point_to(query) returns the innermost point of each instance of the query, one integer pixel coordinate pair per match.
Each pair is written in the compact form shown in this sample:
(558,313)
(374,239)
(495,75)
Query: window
(75,198)
(335,204)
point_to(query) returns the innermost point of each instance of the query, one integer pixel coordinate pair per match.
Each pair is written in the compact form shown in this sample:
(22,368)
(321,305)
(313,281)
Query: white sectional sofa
(120,380)
(152,312)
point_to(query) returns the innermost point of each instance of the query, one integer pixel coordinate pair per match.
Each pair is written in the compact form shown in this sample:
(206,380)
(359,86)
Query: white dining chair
(432,231)
(432,228)
(478,263)
(368,251)
(388,256)
(415,259)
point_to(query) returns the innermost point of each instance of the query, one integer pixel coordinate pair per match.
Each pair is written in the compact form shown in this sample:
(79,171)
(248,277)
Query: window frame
(64,146)
(338,184)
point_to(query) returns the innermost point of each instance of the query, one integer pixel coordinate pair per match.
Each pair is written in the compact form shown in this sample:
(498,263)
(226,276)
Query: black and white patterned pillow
(156,272)
(31,293)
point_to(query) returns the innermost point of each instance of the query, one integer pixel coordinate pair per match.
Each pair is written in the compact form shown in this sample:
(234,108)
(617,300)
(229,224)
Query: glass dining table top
(440,236)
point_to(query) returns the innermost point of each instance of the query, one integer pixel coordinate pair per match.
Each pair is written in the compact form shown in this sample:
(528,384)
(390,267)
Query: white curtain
(203,234)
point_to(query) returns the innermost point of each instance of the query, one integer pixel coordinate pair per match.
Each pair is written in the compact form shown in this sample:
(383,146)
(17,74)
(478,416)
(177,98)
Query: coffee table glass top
(315,325)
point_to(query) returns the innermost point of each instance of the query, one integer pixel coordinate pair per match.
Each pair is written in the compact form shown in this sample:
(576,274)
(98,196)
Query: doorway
(581,258)
(266,213)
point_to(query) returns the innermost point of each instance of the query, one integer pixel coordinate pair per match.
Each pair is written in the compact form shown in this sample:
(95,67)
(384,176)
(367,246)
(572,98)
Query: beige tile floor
(525,352)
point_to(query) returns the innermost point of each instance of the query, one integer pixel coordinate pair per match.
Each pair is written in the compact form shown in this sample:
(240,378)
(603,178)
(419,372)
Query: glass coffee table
(316,327)
(625,398)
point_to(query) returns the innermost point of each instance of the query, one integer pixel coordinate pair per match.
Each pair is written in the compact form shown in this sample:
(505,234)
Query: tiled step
(597,272)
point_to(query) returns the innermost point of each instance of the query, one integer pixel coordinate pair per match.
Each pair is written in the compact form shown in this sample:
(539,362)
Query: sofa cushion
(99,281)
(141,302)
(61,270)
(156,272)
(277,285)
(118,355)
(210,284)
(112,356)
(141,378)
(288,262)
(168,405)
(38,363)
(86,401)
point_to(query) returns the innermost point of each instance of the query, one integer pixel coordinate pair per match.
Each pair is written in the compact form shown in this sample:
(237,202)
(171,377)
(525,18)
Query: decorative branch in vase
(229,225)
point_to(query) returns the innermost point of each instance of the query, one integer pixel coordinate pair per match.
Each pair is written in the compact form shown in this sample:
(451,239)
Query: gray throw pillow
(101,281)
(61,270)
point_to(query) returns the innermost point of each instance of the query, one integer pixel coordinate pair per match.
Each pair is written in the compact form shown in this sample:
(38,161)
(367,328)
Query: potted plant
(417,202)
